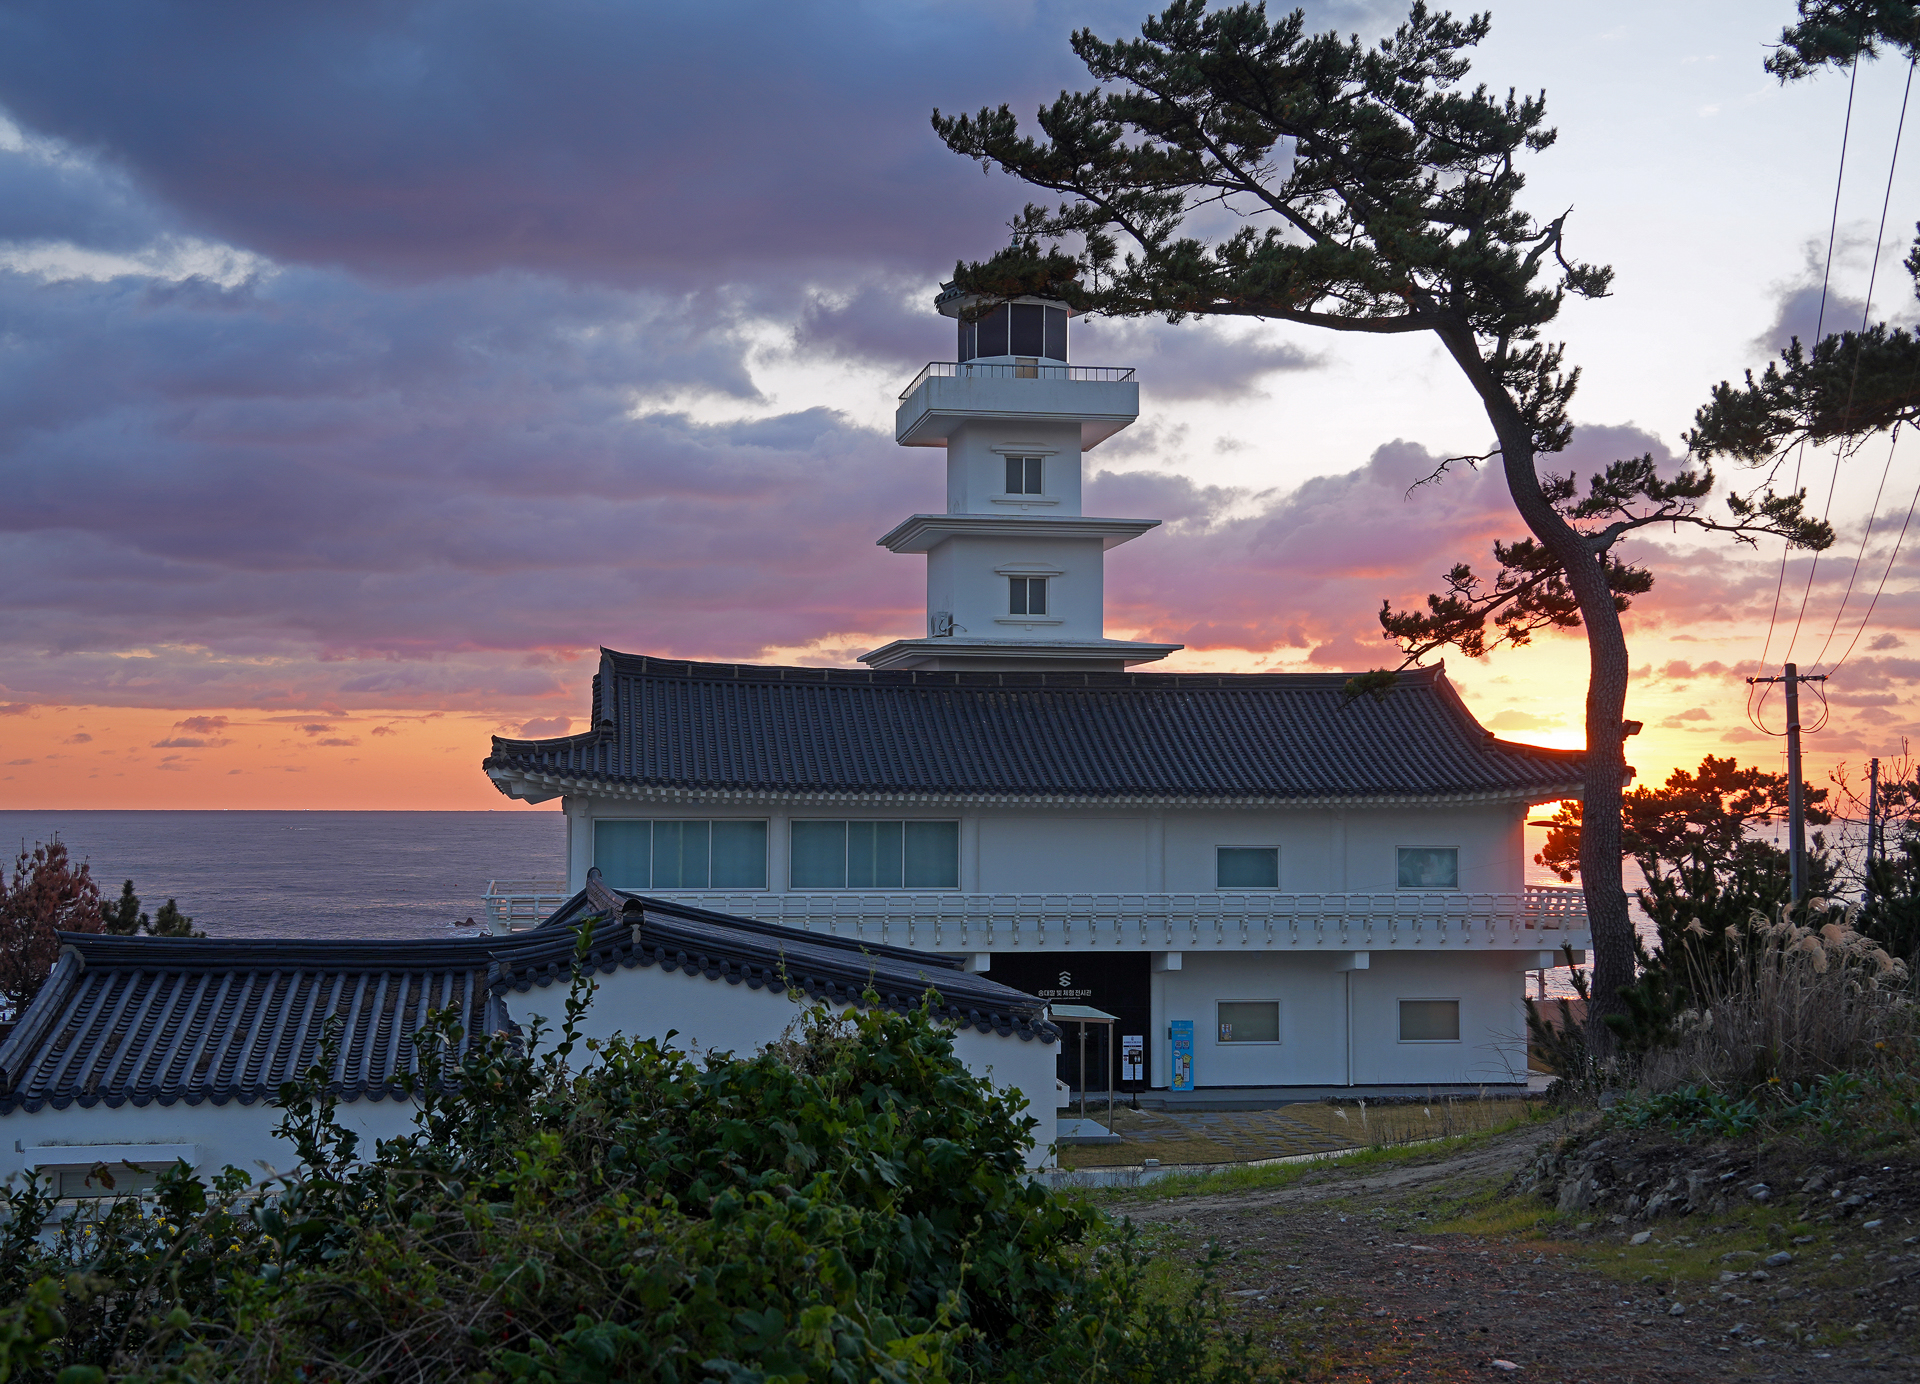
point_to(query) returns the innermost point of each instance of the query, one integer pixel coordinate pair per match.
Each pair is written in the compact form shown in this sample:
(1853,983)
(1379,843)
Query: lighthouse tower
(1015,567)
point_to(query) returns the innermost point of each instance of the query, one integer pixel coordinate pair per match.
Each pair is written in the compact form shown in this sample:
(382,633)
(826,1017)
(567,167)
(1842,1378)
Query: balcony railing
(953,370)
(1539,917)
(513,905)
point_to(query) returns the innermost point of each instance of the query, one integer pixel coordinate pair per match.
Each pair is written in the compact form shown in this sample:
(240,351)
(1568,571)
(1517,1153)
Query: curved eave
(534,786)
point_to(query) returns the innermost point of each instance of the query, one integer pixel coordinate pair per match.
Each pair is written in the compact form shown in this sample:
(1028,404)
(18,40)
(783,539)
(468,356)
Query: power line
(1820,322)
(1853,381)
(1898,540)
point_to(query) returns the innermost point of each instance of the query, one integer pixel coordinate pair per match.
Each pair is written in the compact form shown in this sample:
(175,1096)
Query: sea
(305,874)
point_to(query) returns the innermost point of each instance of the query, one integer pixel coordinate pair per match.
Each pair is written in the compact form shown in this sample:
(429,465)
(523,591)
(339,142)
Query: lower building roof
(144,1020)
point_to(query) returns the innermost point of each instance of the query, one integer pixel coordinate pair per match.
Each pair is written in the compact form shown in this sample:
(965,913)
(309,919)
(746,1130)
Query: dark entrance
(1116,982)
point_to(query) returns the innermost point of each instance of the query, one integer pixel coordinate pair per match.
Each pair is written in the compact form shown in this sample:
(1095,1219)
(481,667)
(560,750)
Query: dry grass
(1801,1002)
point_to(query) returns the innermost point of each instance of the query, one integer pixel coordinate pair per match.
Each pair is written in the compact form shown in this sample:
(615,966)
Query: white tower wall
(968,577)
(977,455)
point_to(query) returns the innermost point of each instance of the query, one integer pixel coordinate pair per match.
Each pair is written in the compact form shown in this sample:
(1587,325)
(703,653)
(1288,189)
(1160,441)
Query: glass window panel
(1036,595)
(992,329)
(1250,1021)
(680,855)
(1031,481)
(1056,334)
(933,855)
(1247,867)
(739,855)
(624,853)
(1029,330)
(1429,1021)
(1016,595)
(1016,475)
(819,855)
(1428,867)
(966,342)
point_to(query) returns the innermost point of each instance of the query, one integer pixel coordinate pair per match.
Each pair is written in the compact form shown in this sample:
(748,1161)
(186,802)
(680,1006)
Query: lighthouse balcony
(1102,399)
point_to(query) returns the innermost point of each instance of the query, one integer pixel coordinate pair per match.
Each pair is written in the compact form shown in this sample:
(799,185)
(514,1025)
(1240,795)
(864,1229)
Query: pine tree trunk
(1601,874)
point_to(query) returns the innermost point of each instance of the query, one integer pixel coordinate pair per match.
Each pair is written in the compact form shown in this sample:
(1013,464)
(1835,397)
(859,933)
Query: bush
(851,1206)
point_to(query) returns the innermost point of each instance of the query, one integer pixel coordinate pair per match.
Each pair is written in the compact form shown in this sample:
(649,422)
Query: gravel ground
(1427,1269)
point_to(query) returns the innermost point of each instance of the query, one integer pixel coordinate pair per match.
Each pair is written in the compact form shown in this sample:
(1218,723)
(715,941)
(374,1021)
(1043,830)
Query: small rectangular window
(1249,1021)
(1429,867)
(1026,595)
(1025,476)
(967,333)
(873,855)
(110,1180)
(819,859)
(1247,867)
(1429,1021)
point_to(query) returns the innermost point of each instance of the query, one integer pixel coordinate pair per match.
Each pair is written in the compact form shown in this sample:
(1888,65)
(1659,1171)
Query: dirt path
(1341,1275)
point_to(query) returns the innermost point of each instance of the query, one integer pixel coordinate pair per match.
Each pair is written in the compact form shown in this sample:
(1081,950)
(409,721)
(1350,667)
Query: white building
(1324,892)
(146,1050)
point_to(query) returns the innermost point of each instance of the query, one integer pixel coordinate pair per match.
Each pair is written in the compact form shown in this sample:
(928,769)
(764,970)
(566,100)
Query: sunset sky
(364,366)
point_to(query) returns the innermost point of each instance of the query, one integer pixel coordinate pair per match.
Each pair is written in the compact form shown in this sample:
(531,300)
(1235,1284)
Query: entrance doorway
(1120,983)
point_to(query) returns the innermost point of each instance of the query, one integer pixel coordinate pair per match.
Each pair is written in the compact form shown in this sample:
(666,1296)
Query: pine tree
(123,917)
(171,922)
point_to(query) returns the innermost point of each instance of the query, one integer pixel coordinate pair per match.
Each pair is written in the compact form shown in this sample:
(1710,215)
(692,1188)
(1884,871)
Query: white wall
(977,474)
(1316,1027)
(713,1015)
(964,577)
(235,1135)
(1170,849)
(1490,987)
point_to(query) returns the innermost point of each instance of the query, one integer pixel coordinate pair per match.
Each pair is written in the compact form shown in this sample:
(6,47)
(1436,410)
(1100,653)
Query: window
(875,855)
(1249,1021)
(110,1180)
(1429,867)
(1429,1021)
(1018,329)
(1247,867)
(1026,595)
(1025,476)
(681,855)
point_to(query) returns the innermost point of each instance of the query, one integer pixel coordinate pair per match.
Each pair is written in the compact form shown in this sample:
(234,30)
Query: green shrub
(852,1205)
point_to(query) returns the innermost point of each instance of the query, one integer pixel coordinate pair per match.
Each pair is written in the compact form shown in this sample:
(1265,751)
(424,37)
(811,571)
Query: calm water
(305,874)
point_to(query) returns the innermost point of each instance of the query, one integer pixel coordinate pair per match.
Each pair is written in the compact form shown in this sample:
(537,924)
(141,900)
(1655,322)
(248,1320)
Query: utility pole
(1873,818)
(1796,801)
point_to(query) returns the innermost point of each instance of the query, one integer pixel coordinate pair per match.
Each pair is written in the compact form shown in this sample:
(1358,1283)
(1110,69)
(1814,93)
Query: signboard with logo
(1180,1031)
(1133,1057)
(1119,983)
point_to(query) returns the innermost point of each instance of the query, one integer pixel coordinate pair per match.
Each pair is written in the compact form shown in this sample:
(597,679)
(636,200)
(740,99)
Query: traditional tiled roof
(140,1020)
(699,943)
(173,1019)
(667,729)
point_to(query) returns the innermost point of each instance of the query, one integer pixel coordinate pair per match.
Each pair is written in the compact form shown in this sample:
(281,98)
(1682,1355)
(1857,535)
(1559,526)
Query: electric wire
(1820,321)
(1866,316)
(1853,381)
(1887,570)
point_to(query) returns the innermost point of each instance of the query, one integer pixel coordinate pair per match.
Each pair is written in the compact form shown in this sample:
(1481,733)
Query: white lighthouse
(1015,567)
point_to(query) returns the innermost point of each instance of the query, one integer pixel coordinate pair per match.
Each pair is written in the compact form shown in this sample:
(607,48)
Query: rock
(1679,1309)
(1760,1191)
(1759,1276)
(1505,1366)
(1641,1238)
(1871,1225)
(1779,1259)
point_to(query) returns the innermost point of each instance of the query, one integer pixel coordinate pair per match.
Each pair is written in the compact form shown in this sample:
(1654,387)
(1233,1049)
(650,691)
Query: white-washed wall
(707,1015)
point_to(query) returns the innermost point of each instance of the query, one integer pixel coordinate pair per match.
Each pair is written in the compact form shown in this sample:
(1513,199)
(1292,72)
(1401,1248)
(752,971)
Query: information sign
(1133,1057)
(1181,1032)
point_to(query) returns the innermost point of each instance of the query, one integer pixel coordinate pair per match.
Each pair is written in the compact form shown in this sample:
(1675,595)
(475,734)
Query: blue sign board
(1181,1032)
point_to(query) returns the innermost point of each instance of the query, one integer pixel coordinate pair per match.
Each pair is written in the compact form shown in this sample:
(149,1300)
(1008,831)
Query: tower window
(1026,595)
(1025,476)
